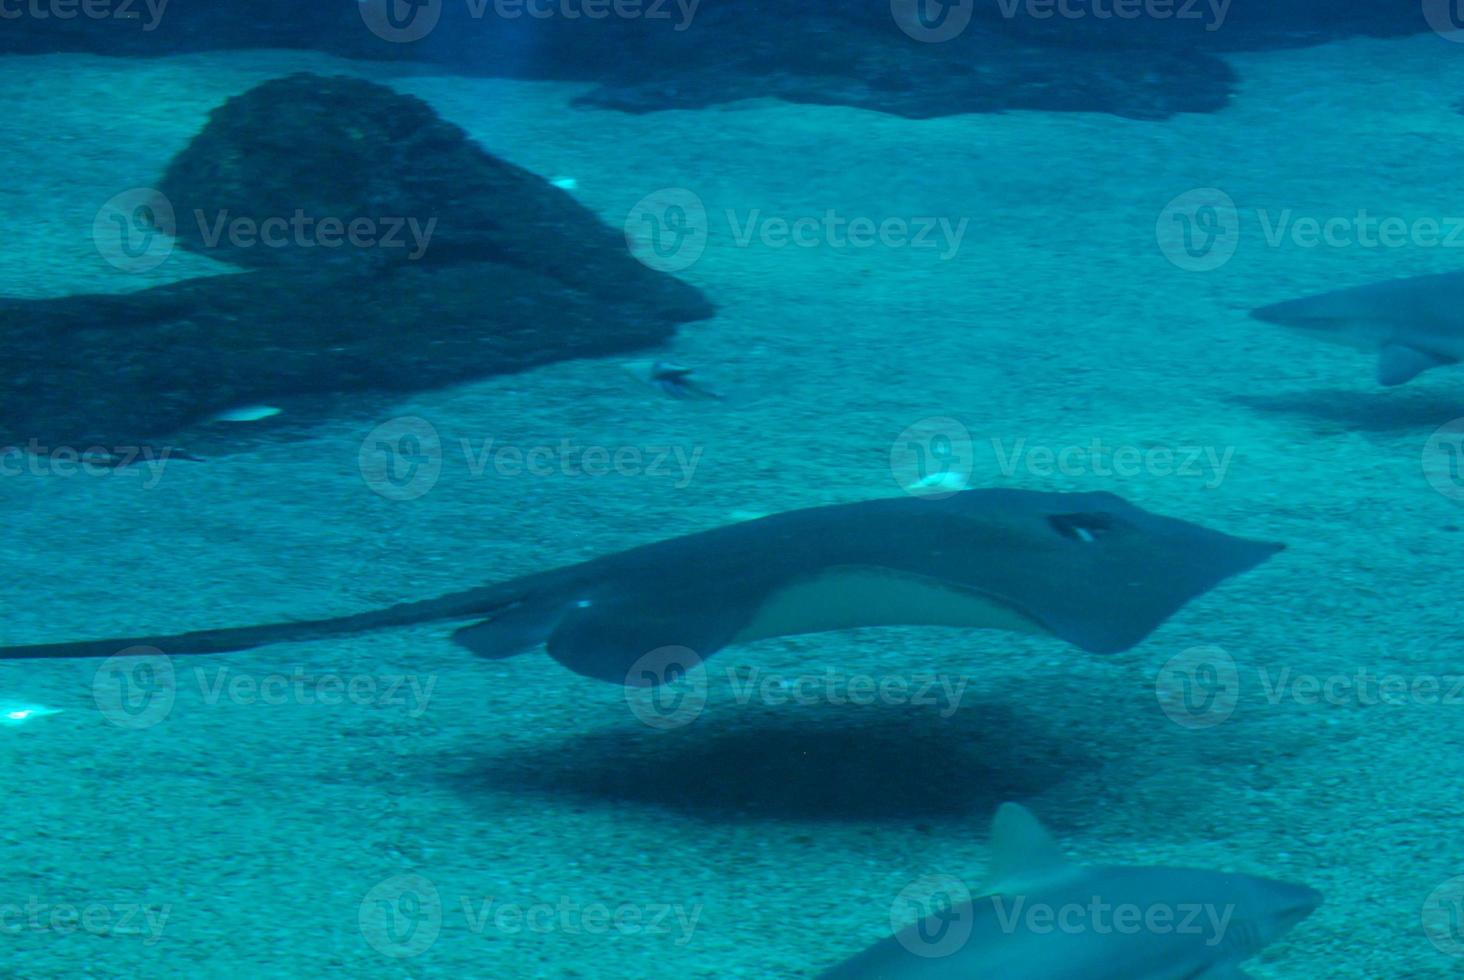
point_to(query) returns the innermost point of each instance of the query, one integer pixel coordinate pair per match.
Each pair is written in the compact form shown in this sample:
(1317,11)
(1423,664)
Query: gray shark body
(1049,919)
(1087,568)
(1414,324)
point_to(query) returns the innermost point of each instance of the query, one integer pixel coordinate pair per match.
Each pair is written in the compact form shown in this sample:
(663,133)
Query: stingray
(1087,568)
(1414,324)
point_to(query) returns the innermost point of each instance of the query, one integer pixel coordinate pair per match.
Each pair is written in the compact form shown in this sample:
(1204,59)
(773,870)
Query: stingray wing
(1112,572)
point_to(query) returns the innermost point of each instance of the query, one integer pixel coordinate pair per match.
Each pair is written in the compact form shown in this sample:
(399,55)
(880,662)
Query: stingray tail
(485,601)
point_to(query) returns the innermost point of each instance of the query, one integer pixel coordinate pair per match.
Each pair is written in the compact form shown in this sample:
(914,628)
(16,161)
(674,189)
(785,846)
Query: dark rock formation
(514,273)
(835,60)
(116,370)
(352,151)
(1154,58)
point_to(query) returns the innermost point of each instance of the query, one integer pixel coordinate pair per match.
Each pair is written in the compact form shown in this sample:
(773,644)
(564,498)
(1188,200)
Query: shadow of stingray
(819,762)
(1352,410)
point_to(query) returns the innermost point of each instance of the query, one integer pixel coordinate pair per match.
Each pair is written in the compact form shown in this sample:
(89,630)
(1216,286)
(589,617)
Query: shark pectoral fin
(1023,853)
(1399,363)
(632,641)
(512,631)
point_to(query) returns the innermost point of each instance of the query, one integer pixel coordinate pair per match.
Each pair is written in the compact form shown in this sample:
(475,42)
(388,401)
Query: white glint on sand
(14,713)
(247,413)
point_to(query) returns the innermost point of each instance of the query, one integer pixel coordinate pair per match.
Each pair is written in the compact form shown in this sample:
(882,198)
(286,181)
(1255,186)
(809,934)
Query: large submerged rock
(898,66)
(123,369)
(353,151)
(1134,59)
(514,273)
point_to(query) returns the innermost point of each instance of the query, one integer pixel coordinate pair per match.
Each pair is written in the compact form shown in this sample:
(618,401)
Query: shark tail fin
(1023,852)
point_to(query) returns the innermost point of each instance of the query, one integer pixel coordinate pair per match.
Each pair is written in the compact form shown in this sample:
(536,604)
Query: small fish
(246,413)
(672,380)
(15,713)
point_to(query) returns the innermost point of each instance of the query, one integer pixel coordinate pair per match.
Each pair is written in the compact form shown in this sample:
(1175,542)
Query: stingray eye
(1082,527)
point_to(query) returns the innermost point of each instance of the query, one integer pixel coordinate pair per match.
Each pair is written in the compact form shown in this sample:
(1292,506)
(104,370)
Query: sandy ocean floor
(250,832)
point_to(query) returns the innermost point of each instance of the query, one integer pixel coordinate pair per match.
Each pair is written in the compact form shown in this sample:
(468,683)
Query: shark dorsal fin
(1023,853)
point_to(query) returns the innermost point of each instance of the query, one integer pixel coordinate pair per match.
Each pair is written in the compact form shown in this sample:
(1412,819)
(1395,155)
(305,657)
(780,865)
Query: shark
(1089,568)
(1414,324)
(1046,918)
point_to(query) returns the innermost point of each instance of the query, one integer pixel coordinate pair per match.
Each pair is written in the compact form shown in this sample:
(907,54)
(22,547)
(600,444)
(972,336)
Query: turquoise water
(386,804)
